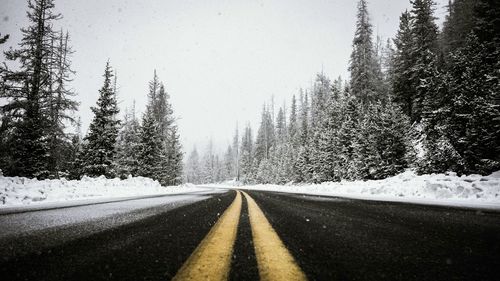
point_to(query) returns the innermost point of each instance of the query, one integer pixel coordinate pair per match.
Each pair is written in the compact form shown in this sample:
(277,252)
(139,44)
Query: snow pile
(440,189)
(22,191)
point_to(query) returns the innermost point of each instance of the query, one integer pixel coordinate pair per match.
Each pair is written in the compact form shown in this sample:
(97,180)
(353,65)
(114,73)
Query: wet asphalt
(330,238)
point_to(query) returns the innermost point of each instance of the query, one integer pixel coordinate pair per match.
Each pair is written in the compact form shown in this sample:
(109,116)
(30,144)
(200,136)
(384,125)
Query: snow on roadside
(23,191)
(436,189)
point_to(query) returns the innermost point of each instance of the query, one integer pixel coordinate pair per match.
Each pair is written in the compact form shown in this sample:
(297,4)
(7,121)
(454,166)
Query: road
(251,235)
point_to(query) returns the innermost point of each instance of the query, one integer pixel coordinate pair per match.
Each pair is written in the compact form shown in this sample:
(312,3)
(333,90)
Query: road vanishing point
(249,235)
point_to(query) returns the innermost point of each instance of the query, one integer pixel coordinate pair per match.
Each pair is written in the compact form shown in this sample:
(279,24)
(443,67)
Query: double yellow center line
(211,260)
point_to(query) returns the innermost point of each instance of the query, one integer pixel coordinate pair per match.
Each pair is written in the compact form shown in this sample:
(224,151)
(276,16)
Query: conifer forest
(427,99)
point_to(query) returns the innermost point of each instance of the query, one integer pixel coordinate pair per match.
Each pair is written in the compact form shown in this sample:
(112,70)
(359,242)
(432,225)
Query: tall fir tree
(247,161)
(150,146)
(193,168)
(424,52)
(366,78)
(28,89)
(128,145)
(100,144)
(402,92)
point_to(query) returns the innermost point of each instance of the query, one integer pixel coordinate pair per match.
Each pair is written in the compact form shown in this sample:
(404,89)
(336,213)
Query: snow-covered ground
(436,189)
(15,191)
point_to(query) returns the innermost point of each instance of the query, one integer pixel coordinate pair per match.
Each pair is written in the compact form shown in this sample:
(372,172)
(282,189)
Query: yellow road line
(274,260)
(212,258)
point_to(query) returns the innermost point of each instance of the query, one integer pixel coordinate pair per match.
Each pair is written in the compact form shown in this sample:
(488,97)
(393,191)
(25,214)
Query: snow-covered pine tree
(128,145)
(458,23)
(100,144)
(327,154)
(302,165)
(424,57)
(402,91)
(60,105)
(247,161)
(347,134)
(265,136)
(193,168)
(208,164)
(293,140)
(320,100)
(150,146)
(472,119)
(75,157)
(228,164)
(26,89)
(171,169)
(236,155)
(366,78)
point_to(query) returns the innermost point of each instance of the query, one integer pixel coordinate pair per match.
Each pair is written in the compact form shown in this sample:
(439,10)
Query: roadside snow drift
(23,191)
(436,189)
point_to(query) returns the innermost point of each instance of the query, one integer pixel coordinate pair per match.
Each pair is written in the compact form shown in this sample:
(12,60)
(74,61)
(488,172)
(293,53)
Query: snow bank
(23,191)
(437,189)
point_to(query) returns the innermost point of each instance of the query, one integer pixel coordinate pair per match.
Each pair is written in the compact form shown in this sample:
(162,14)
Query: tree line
(428,99)
(37,130)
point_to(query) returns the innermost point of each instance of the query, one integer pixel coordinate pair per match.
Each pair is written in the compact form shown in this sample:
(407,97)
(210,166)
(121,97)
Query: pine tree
(472,118)
(320,100)
(27,89)
(208,164)
(193,169)
(236,155)
(265,136)
(347,134)
(150,147)
(424,55)
(402,91)
(228,165)
(366,77)
(458,24)
(293,127)
(60,105)
(172,167)
(100,148)
(247,164)
(128,145)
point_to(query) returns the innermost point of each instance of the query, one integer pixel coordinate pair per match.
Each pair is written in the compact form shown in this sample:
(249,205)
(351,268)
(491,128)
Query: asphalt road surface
(252,235)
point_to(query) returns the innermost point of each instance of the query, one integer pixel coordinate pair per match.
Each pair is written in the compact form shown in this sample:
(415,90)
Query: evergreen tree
(247,164)
(265,136)
(172,167)
(459,22)
(208,164)
(128,145)
(100,148)
(193,169)
(366,78)
(150,147)
(59,106)
(236,155)
(228,165)
(402,91)
(27,88)
(471,117)
(424,55)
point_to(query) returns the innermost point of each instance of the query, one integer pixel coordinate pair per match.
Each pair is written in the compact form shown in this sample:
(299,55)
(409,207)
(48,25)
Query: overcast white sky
(220,60)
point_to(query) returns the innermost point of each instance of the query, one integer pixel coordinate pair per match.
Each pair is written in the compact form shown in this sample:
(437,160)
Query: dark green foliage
(128,146)
(402,91)
(38,99)
(99,149)
(160,152)
(150,147)
(366,76)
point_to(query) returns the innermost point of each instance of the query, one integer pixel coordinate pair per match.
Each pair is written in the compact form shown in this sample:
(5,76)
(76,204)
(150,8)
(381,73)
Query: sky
(220,60)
